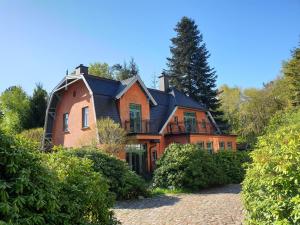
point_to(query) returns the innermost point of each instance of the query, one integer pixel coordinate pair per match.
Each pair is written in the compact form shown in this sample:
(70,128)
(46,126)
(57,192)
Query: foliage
(111,136)
(122,72)
(35,135)
(28,189)
(38,106)
(188,167)
(189,69)
(271,187)
(14,105)
(232,164)
(291,71)
(122,181)
(83,193)
(101,70)
(249,111)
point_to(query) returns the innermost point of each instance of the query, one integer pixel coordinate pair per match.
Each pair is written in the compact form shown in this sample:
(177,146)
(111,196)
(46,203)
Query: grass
(164,191)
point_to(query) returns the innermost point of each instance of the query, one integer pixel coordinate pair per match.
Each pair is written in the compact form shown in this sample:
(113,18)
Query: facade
(153,118)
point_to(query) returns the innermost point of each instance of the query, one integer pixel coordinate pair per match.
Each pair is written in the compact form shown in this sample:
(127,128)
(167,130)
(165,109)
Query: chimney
(164,82)
(81,69)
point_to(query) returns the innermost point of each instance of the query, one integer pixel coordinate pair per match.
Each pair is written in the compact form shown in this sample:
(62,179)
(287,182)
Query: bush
(271,191)
(35,135)
(83,193)
(188,167)
(125,183)
(28,189)
(232,164)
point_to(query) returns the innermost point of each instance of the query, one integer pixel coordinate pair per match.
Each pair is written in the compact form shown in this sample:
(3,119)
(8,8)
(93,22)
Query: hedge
(122,181)
(271,190)
(52,189)
(187,166)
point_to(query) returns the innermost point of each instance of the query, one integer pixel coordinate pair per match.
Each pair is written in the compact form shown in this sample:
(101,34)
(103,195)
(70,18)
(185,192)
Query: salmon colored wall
(200,115)
(73,105)
(195,138)
(135,95)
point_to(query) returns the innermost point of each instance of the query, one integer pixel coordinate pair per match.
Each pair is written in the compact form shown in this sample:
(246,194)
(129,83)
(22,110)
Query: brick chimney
(164,82)
(81,69)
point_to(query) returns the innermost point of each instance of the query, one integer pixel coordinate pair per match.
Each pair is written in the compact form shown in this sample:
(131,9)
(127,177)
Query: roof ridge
(102,78)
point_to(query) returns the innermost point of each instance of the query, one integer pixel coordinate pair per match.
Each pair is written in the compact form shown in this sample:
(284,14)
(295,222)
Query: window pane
(190,122)
(85,112)
(135,115)
(66,122)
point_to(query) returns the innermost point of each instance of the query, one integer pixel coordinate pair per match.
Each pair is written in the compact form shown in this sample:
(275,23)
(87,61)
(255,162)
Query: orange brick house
(154,118)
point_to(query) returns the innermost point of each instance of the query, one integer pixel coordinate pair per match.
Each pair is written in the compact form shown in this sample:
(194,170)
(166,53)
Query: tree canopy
(189,69)
(101,70)
(15,107)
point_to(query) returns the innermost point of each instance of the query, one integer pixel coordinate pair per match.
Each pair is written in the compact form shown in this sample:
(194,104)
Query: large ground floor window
(136,157)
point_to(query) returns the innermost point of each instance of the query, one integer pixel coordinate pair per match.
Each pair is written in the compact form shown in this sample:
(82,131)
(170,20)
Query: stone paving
(216,206)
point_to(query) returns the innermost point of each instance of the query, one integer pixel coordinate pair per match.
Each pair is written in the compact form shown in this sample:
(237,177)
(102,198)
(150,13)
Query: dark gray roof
(106,90)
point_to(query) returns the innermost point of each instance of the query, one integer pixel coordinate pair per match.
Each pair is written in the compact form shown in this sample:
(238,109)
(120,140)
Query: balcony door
(190,122)
(135,114)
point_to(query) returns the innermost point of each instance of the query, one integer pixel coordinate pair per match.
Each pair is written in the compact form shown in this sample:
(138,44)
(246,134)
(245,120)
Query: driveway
(220,205)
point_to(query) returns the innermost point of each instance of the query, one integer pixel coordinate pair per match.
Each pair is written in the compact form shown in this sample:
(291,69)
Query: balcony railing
(137,127)
(193,128)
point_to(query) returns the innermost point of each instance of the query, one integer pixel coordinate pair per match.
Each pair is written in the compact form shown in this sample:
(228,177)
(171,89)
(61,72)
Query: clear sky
(39,40)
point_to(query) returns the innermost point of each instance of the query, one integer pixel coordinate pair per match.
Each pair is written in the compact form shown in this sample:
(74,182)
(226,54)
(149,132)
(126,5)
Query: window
(209,146)
(201,144)
(176,119)
(135,118)
(85,113)
(203,124)
(221,145)
(229,145)
(66,122)
(190,122)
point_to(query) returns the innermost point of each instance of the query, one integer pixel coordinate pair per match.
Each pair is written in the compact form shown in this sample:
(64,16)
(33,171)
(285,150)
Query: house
(154,118)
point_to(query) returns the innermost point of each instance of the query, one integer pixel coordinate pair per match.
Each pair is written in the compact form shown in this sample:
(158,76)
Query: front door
(153,158)
(136,157)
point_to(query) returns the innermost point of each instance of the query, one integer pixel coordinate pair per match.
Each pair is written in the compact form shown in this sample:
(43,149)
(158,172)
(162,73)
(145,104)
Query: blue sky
(39,40)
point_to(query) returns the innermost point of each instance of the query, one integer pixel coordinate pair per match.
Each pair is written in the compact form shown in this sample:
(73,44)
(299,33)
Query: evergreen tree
(125,71)
(188,67)
(38,106)
(291,71)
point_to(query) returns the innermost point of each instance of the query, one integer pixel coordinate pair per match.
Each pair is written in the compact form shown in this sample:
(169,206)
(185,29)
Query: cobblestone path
(216,206)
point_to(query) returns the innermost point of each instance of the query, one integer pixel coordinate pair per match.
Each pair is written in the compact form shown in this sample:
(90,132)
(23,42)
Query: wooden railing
(196,128)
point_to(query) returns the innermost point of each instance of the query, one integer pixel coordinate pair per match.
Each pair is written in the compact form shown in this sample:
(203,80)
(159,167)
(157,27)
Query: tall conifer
(189,69)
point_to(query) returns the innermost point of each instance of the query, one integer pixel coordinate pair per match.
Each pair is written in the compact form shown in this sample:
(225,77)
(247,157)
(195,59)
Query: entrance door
(153,158)
(136,157)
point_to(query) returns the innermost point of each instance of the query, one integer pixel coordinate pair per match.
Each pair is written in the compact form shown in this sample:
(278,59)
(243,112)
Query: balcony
(137,127)
(184,128)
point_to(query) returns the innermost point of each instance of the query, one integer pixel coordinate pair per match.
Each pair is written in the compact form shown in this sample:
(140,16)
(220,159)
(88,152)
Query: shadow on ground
(226,189)
(159,201)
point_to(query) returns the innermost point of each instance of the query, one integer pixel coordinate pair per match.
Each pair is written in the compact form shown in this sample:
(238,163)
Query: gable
(126,85)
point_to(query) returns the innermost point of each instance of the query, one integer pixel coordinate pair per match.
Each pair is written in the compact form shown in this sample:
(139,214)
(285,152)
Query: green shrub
(83,193)
(271,190)
(188,167)
(35,135)
(28,189)
(125,183)
(185,166)
(232,164)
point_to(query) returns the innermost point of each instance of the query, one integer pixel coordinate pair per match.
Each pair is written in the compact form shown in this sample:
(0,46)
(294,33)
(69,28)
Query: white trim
(137,78)
(93,103)
(214,122)
(164,126)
